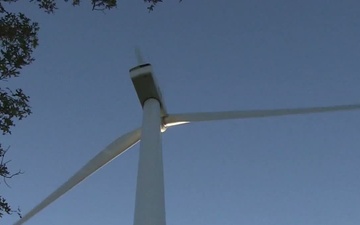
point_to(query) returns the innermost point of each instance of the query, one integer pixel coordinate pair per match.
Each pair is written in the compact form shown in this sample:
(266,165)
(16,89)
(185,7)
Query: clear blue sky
(208,56)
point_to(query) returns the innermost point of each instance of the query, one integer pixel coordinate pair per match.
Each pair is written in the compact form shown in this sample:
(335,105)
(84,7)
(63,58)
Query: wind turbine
(150,201)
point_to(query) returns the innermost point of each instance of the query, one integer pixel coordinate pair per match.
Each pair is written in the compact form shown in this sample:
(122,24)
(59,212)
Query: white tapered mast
(150,200)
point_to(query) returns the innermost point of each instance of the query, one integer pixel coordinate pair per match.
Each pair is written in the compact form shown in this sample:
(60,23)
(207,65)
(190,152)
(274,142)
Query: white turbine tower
(150,201)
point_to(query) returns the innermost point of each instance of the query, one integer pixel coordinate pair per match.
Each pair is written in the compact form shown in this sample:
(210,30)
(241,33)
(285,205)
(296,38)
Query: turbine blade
(117,147)
(139,57)
(177,119)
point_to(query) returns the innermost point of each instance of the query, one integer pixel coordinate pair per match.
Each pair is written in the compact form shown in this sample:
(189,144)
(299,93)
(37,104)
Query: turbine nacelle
(146,85)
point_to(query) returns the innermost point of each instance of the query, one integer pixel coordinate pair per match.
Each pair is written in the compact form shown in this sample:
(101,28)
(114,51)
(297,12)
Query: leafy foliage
(4,172)
(12,105)
(18,39)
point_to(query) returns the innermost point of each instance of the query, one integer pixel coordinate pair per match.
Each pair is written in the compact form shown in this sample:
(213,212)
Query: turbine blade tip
(139,57)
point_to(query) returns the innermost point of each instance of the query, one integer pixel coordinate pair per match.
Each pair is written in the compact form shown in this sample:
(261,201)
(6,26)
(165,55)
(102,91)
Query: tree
(18,39)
